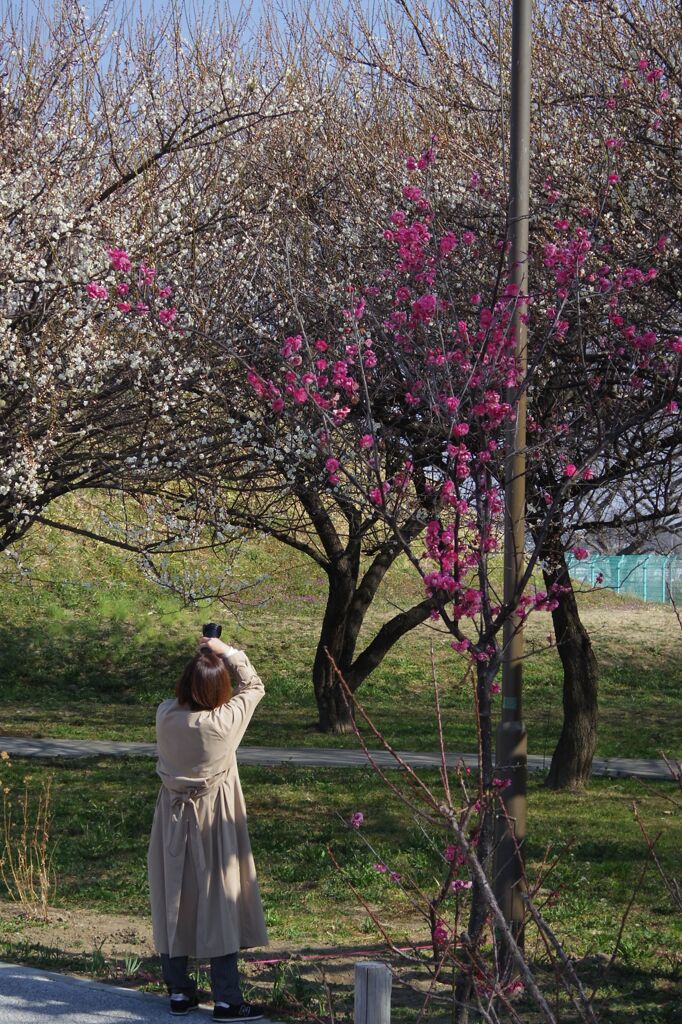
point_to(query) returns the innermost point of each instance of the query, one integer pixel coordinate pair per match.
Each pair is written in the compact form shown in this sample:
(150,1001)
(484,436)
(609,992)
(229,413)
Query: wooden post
(372,993)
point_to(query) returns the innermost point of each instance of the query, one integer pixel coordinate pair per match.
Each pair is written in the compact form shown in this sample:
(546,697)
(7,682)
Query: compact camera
(211,629)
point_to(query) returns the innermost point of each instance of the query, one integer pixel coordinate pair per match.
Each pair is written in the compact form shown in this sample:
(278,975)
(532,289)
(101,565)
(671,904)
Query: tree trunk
(347,603)
(335,712)
(572,760)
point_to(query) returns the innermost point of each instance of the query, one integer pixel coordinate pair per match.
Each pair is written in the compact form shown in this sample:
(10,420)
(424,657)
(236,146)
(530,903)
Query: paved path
(314,757)
(28,996)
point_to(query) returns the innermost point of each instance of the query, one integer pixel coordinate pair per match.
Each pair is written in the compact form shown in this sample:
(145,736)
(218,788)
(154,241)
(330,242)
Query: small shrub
(25,852)
(132,965)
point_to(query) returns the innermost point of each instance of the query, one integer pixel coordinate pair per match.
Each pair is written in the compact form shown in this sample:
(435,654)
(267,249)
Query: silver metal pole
(511,734)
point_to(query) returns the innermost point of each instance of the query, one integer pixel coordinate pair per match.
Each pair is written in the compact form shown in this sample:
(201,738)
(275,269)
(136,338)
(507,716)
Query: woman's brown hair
(205,683)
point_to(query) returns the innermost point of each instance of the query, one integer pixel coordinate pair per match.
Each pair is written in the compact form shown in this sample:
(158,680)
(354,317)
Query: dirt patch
(88,944)
(80,931)
(117,936)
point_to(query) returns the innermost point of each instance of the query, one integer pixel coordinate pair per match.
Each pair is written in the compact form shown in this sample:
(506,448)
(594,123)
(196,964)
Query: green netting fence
(648,577)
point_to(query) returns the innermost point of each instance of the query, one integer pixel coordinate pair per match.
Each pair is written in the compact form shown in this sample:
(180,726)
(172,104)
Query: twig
(670,883)
(387,938)
(412,775)
(584,1004)
(624,918)
(441,738)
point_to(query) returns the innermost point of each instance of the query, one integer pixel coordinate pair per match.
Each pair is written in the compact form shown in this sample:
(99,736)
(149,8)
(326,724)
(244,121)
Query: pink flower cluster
(454,854)
(120,260)
(97,291)
(460,884)
(381,869)
(332,466)
(141,287)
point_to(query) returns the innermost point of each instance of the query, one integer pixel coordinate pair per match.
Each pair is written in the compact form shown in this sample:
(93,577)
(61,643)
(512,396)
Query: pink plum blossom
(332,466)
(167,316)
(447,243)
(454,854)
(96,290)
(120,260)
(378,494)
(424,308)
(460,884)
(147,274)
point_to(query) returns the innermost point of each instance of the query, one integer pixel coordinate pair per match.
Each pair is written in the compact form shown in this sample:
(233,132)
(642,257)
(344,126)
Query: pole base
(510,824)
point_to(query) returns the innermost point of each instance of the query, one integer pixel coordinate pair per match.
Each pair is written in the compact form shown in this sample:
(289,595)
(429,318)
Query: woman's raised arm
(247,686)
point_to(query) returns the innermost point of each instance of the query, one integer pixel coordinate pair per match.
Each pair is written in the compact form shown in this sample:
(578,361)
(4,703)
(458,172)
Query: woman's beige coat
(202,879)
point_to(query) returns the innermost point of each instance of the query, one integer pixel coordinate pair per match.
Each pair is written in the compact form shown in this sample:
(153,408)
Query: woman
(202,880)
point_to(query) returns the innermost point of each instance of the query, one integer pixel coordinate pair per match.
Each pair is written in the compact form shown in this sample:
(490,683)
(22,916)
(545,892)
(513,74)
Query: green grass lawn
(88,648)
(100,836)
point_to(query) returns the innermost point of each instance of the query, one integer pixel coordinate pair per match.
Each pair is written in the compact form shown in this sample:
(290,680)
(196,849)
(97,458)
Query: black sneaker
(179,1007)
(238,1011)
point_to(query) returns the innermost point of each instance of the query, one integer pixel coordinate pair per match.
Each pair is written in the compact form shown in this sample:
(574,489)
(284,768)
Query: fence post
(372,993)
(666,567)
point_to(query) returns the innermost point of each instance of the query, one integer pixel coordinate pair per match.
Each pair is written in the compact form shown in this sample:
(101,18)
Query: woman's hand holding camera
(217,646)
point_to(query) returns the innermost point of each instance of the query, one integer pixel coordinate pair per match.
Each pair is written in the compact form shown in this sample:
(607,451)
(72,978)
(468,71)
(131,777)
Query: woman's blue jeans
(224,977)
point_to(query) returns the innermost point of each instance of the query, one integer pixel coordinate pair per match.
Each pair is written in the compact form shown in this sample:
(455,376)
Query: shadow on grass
(84,660)
(626,992)
(72,673)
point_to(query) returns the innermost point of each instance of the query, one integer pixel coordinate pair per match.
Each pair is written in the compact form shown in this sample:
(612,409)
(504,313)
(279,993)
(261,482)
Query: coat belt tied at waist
(184,821)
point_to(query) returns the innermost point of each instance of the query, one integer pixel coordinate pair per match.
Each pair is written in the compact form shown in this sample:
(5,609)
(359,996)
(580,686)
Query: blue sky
(116,6)
(194,9)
